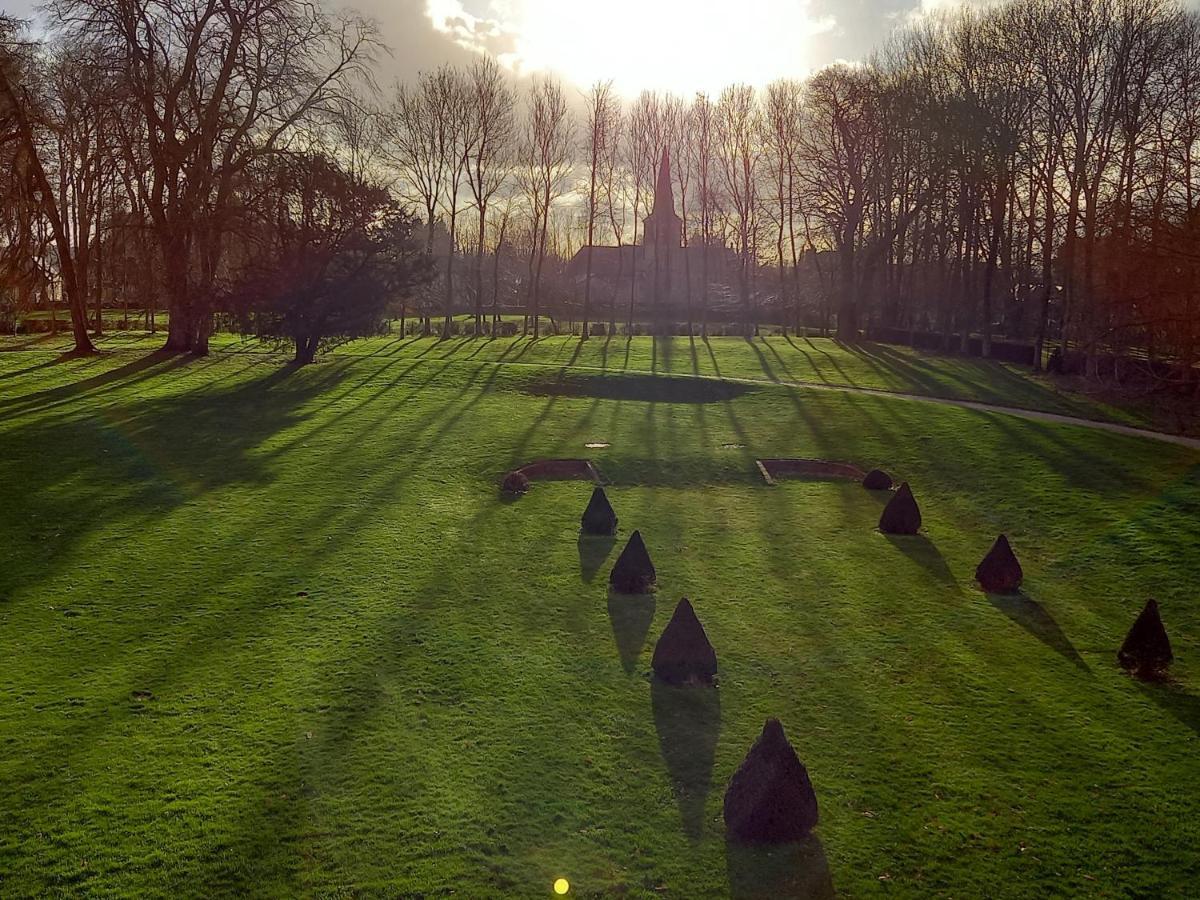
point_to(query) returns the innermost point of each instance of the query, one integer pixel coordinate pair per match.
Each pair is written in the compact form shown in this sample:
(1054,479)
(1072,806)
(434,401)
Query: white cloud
(680,45)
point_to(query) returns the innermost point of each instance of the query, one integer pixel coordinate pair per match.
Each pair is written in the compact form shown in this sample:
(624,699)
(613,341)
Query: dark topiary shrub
(683,655)
(770,799)
(1000,572)
(599,518)
(877,480)
(901,515)
(634,572)
(515,483)
(1146,652)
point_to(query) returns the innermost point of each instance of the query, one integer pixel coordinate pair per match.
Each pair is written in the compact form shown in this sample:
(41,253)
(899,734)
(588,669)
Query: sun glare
(671,45)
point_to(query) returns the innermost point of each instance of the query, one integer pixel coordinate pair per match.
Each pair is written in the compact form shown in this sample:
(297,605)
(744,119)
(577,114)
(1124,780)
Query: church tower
(663,229)
(663,232)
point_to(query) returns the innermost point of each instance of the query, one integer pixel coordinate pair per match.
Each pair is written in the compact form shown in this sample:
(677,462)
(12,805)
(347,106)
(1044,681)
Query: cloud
(469,31)
(677,45)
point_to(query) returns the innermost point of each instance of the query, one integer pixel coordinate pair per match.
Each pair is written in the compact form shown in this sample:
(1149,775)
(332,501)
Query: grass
(272,631)
(790,360)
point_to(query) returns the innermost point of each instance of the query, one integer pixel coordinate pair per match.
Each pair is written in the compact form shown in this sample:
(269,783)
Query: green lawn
(269,631)
(817,361)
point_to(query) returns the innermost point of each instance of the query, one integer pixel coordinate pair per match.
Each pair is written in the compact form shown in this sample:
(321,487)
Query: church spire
(664,194)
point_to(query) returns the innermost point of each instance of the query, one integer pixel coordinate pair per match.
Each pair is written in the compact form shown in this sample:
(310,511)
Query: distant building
(664,270)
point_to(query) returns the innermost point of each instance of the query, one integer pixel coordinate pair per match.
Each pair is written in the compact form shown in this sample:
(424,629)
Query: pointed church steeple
(664,193)
(664,229)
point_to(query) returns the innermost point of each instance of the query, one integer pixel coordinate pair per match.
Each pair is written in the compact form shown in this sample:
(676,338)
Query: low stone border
(561,470)
(774,469)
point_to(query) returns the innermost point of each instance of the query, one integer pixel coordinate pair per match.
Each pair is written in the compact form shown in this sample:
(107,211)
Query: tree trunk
(83,343)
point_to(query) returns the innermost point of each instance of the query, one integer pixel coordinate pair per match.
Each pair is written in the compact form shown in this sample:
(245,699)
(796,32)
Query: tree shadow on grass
(144,367)
(43,338)
(1032,616)
(144,457)
(631,616)
(1172,697)
(688,722)
(45,364)
(593,551)
(923,551)
(799,870)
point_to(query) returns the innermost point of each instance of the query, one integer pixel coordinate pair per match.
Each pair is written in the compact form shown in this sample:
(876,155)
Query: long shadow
(631,617)
(141,468)
(763,363)
(1174,699)
(42,365)
(818,374)
(923,551)
(159,361)
(668,351)
(799,870)
(593,551)
(1032,616)
(45,337)
(688,722)
(712,357)
(1101,471)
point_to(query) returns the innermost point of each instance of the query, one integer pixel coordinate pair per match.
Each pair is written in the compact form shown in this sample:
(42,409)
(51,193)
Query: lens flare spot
(561,886)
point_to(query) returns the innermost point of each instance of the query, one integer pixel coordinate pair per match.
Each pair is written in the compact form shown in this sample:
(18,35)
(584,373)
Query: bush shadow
(593,551)
(925,553)
(799,870)
(688,722)
(631,616)
(1174,699)
(1034,618)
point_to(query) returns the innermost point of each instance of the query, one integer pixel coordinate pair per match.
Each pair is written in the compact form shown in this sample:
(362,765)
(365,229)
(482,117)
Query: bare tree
(217,85)
(22,115)
(838,171)
(603,125)
(702,152)
(492,106)
(680,136)
(644,137)
(459,128)
(615,186)
(739,152)
(781,138)
(546,162)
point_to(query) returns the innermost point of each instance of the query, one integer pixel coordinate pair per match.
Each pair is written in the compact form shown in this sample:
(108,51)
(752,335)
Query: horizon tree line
(1025,171)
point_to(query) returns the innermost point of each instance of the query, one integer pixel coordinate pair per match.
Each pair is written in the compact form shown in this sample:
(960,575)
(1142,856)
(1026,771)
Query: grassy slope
(786,360)
(370,673)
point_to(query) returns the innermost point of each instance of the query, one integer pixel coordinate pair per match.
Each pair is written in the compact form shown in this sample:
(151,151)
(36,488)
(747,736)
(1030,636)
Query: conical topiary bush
(877,480)
(770,799)
(599,518)
(634,572)
(901,515)
(683,655)
(1000,571)
(1146,652)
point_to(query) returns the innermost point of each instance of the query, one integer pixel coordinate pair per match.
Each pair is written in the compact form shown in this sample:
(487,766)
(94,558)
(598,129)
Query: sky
(676,45)
(670,45)
(679,45)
